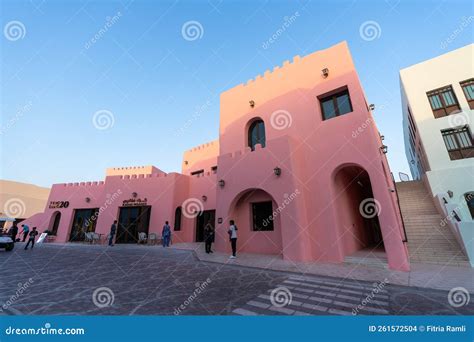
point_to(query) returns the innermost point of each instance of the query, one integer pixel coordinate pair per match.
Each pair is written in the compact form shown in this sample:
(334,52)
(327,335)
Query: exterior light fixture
(450,194)
(88,199)
(185,162)
(134,194)
(204,198)
(325,72)
(384,149)
(382,137)
(372,106)
(221,183)
(252,103)
(277,171)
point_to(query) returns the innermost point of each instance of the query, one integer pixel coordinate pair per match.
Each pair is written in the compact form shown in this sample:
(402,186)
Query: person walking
(166,235)
(13,232)
(31,239)
(208,236)
(25,231)
(233,238)
(113,230)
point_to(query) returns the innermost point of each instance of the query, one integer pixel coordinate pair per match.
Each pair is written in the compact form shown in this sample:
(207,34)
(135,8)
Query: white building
(438,122)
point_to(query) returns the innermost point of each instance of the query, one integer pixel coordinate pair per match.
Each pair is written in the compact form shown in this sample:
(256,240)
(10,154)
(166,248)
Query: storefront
(134,218)
(84,221)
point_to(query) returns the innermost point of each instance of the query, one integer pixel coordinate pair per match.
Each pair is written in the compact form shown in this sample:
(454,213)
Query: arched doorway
(357,212)
(257,217)
(54,224)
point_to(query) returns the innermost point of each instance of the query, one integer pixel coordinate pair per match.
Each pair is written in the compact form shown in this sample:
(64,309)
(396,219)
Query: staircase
(428,240)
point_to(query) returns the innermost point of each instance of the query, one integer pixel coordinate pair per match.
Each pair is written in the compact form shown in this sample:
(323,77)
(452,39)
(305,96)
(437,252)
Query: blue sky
(163,90)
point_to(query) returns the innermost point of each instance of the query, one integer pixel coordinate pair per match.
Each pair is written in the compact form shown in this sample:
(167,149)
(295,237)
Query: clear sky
(160,84)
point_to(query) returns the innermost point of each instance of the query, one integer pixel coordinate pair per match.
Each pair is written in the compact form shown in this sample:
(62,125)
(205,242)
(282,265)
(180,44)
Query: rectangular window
(468,89)
(197,173)
(443,101)
(214,169)
(458,142)
(262,216)
(335,103)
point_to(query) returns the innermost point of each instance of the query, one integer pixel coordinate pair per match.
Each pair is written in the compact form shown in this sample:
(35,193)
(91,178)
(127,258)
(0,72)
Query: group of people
(209,236)
(26,232)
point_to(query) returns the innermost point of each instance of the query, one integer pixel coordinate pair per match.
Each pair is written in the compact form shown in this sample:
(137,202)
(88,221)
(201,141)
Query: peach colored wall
(308,150)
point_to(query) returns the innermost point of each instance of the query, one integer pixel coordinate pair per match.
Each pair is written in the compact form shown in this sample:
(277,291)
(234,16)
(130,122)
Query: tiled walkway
(421,275)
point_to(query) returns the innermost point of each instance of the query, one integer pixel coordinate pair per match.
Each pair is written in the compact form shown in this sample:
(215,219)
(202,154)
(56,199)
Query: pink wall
(309,151)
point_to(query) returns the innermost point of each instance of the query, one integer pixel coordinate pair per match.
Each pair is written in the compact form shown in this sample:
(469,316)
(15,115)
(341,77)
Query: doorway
(83,223)
(201,221)
(132,220)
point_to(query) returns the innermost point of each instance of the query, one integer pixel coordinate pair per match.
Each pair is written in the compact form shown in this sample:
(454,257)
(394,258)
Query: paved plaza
(79,279)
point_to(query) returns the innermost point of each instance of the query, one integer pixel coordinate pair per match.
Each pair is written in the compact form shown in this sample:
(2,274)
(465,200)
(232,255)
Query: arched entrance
(257,217)
(54,223)
(357,211)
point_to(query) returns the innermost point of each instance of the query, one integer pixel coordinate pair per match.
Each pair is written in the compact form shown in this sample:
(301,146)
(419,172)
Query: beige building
(19,201)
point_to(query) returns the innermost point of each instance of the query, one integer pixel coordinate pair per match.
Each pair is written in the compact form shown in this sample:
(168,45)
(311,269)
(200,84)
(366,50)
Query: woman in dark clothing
(208,236)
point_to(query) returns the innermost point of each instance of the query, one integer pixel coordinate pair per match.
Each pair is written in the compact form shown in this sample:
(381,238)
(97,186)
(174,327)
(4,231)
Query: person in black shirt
(13,232)
(113,230)
(31,238)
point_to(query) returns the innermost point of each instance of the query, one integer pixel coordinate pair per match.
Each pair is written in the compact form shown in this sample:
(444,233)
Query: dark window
(470,202)
(197,173)
(335,104)
(468,89)
(458,142)
(262,215)
(443,101)
(410,119)
(177,218)
(55,227)
(214,169)
(256,134)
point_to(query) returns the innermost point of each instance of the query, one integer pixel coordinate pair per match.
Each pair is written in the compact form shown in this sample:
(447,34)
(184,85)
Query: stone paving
(76,279)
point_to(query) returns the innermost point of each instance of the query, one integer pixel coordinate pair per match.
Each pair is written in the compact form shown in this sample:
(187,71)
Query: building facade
(299,166)
(438,119)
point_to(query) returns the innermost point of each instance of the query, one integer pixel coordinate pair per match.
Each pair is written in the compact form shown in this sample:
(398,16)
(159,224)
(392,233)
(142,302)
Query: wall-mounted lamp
(221,183)
(134,194)
(185,162)
(384,149)
(372,106)
(219,220)
(325,72)
(382,137)
(88,199)
(252,103)
(204,198)
(277,171)
(450,194)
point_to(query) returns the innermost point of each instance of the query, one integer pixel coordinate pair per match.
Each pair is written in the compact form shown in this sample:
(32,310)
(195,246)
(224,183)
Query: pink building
(299,165)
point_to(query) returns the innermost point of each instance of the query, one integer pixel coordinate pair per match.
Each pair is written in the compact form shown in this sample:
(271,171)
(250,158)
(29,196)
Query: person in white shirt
(233,238)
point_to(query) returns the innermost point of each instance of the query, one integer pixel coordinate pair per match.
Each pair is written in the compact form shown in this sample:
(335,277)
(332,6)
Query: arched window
(256,134)
(177,219)
(55,226)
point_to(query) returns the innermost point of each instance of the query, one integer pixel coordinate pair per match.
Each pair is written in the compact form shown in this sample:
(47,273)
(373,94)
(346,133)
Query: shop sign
(134,202)
(58,204)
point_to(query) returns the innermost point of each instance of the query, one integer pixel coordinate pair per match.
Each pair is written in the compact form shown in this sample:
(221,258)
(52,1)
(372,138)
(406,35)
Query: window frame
(461,151)
(445,109)
(270,227)
(259,139)
(333,95)
(464,85)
